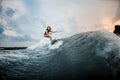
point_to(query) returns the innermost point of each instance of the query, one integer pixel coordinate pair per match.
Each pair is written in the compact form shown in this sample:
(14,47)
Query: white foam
(13,56)
(40,44)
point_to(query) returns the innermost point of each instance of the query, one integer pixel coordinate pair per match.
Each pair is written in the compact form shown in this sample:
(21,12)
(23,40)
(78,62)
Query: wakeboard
(53,41)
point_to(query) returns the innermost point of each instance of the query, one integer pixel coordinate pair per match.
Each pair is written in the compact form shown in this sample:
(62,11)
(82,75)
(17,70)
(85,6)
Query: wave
(46,42)
(39,44)
(88,55)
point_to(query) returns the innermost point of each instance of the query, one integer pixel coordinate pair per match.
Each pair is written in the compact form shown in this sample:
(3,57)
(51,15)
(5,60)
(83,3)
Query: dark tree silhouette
(117,29)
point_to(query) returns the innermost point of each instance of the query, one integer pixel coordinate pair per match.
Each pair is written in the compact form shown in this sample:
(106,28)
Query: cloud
(15,5)
(0,9)
(78,15)
(1,30)
(12,33)
(117,16)
(7,41)
(9,37)
(5,29)
(10,13)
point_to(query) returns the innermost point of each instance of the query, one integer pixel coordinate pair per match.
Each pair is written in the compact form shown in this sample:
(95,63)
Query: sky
(24,21)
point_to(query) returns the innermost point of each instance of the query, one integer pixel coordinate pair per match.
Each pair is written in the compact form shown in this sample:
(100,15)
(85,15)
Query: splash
(56,45)
(46,42)
(40,44)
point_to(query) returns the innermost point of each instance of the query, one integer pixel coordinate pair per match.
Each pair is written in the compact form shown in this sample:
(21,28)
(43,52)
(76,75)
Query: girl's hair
(48,27)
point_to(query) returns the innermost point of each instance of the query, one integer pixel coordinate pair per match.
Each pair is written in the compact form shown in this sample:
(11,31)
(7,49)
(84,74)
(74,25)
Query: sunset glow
(109,25)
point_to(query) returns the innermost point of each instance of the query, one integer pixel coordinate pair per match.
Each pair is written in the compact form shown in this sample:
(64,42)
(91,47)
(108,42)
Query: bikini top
(48,31)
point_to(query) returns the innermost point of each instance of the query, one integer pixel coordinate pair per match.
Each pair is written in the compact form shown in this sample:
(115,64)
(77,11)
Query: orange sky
(109,25)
